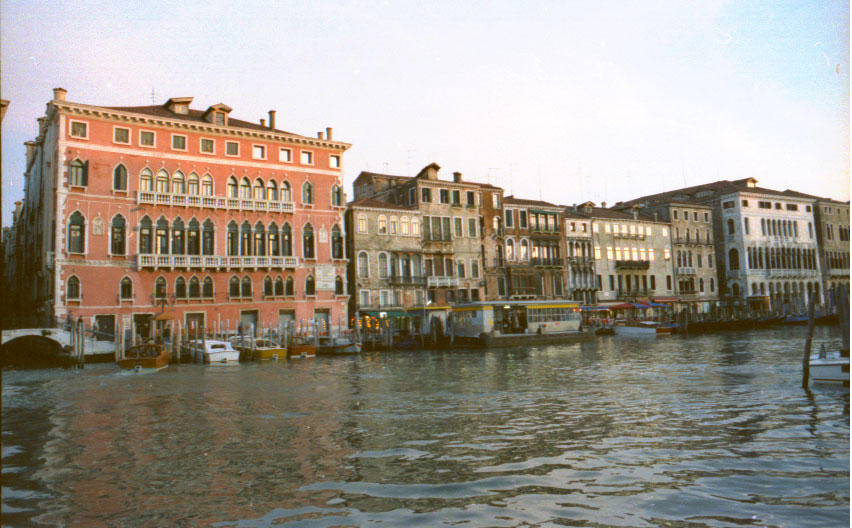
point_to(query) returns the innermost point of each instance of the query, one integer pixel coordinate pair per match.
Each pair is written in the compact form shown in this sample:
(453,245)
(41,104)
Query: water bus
(506,323)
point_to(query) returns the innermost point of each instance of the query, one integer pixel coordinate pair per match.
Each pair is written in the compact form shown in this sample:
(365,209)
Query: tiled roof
(708,191)
(512,200)
(612,214)
(397,177)
(195,116)
(798,194)
(379,204)
(380,175)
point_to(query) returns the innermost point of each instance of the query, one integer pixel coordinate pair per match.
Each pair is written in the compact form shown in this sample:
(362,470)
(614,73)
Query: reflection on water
(711,430)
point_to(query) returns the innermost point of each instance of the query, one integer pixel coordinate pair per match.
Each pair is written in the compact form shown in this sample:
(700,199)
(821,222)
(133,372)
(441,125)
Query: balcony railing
(627,293)
(213,261)
(213,202)
(686,271)
(637,236)
(632,264)
(580,262)
(539,229)
(439,281)
(540,261)
(407,280)
(430,237)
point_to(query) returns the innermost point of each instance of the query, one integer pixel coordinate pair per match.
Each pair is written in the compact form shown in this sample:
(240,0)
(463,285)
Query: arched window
(192,185)
(207,288)
(194,288)
(178,183)
(207,185)
(405,265)
(78,174)
(267,287)
(310,289)
(286,240)
(394,225)
(233,190)
(146,181)
(363,265)
(415,227)
(338,285)
(383,225)
(403,226)
(77,233)
(308,242)
(289,287)
(417,270)
(245,287)
(245,189)
(272,245)
(146,234)
(234,287)
(118,236)
(286,195)
(245,239)
(336,242)
(733,259)
(162,182)
(731,226)
(160,288)
(126,289)
(259,239)
(272,191)
(394,265)
(735,289)
(336,195)
(119,178)
(525,250)
(307,193)
(383,266)
(72,289)
(177,237)
(259,189)
(279,287)
(207,238)
(180,288)
(510,249)
(193,238)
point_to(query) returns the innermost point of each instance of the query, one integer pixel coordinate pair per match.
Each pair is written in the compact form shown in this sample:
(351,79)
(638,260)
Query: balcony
(792,273)
(690,240)
(213,261)
(634,236)
(632,264)
(407,280)
(544,230)
(552,262)
(441,281)
(581,263)
(686,271)
(627,293)
(212,202)
(430,237)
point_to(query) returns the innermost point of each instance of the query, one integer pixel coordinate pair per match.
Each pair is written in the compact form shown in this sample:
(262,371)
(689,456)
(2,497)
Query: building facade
(579,257)
(385,257)
(832,219)
(534,249)
(130,211)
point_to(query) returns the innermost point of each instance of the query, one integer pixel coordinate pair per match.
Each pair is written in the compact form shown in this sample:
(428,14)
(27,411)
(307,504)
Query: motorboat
(830,367)
(213,352)
(145,357)
(641,328)
(301,347)
(337,346)
(261,348)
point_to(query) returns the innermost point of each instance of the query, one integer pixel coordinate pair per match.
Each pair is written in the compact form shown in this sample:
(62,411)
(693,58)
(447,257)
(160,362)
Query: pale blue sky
(565,100)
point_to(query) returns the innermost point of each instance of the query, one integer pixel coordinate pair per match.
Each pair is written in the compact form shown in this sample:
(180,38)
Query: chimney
(636,213)
(603,205)
(319,135)
(272,119)
(457,177)
(263,122)
(59,94)
(656,216)
(328,133)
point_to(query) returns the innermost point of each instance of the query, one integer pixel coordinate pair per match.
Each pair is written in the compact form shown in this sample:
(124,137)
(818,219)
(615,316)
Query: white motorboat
(214,352)
(829,367)
(640,328)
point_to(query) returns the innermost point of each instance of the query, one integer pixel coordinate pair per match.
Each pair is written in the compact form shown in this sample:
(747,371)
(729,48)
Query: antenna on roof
(153,95)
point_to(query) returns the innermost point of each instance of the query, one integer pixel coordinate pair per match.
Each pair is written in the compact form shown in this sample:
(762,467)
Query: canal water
(712,430)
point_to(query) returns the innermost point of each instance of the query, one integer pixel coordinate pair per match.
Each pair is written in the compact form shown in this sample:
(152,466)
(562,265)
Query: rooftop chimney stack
(263,122)
(59,94)
(328,133)
(319,135)
(272,119)
(457,177)
(603,205)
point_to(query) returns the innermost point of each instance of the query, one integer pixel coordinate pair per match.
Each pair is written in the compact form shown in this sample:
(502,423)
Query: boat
(795,320)
(213,352)
(640,328)
(829,367)
(337,346)
(301,347)
(145,357)
(262,348)
(511,323)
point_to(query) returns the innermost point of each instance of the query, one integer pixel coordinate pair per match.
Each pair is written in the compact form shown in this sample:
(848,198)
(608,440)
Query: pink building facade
(136,210)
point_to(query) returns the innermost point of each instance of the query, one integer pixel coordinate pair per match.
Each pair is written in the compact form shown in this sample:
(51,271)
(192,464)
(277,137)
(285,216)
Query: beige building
(582,283)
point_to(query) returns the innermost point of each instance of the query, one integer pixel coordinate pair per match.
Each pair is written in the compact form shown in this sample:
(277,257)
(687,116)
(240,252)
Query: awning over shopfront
(665,299)
(389,313)
(626,306)
(595,308)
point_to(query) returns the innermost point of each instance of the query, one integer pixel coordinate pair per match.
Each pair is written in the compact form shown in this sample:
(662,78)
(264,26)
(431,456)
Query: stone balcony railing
(686,270)
(213,202)
(632,264)
(213,261)
(783,273)
(440,281)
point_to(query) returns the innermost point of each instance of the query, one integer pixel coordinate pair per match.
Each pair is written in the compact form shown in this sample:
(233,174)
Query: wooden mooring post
(806,356)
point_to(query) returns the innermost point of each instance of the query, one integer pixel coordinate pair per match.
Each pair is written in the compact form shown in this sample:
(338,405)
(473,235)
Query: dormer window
(217,114)
(219,118)
(179,105)
(181,109)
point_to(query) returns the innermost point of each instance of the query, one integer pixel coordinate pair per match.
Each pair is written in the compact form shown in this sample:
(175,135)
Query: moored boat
(213,352)
(301,347)
(337,346)
(829,367)
(640,328)
(261,349)
(145,357)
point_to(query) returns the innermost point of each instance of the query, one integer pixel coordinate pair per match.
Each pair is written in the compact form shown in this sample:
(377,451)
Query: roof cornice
(234,131)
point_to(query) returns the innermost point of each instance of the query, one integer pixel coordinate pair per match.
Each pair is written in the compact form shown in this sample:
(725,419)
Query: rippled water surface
(703,431)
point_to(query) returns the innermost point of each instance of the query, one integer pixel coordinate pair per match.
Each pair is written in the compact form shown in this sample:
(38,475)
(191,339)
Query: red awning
(665,299)
(622,306)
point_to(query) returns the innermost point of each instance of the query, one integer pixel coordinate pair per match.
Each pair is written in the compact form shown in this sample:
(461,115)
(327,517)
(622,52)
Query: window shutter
(85,174)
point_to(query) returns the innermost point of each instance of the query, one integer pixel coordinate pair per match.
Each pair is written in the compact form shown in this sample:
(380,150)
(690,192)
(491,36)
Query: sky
(565,101)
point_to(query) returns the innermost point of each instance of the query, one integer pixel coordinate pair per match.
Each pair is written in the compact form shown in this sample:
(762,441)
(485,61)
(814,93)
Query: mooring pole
(806,356)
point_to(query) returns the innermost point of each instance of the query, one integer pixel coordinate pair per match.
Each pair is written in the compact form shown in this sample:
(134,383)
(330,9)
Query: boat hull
(267,354)
(830,370)
(148,363)
(222,358)
(641,331)
(302,351)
